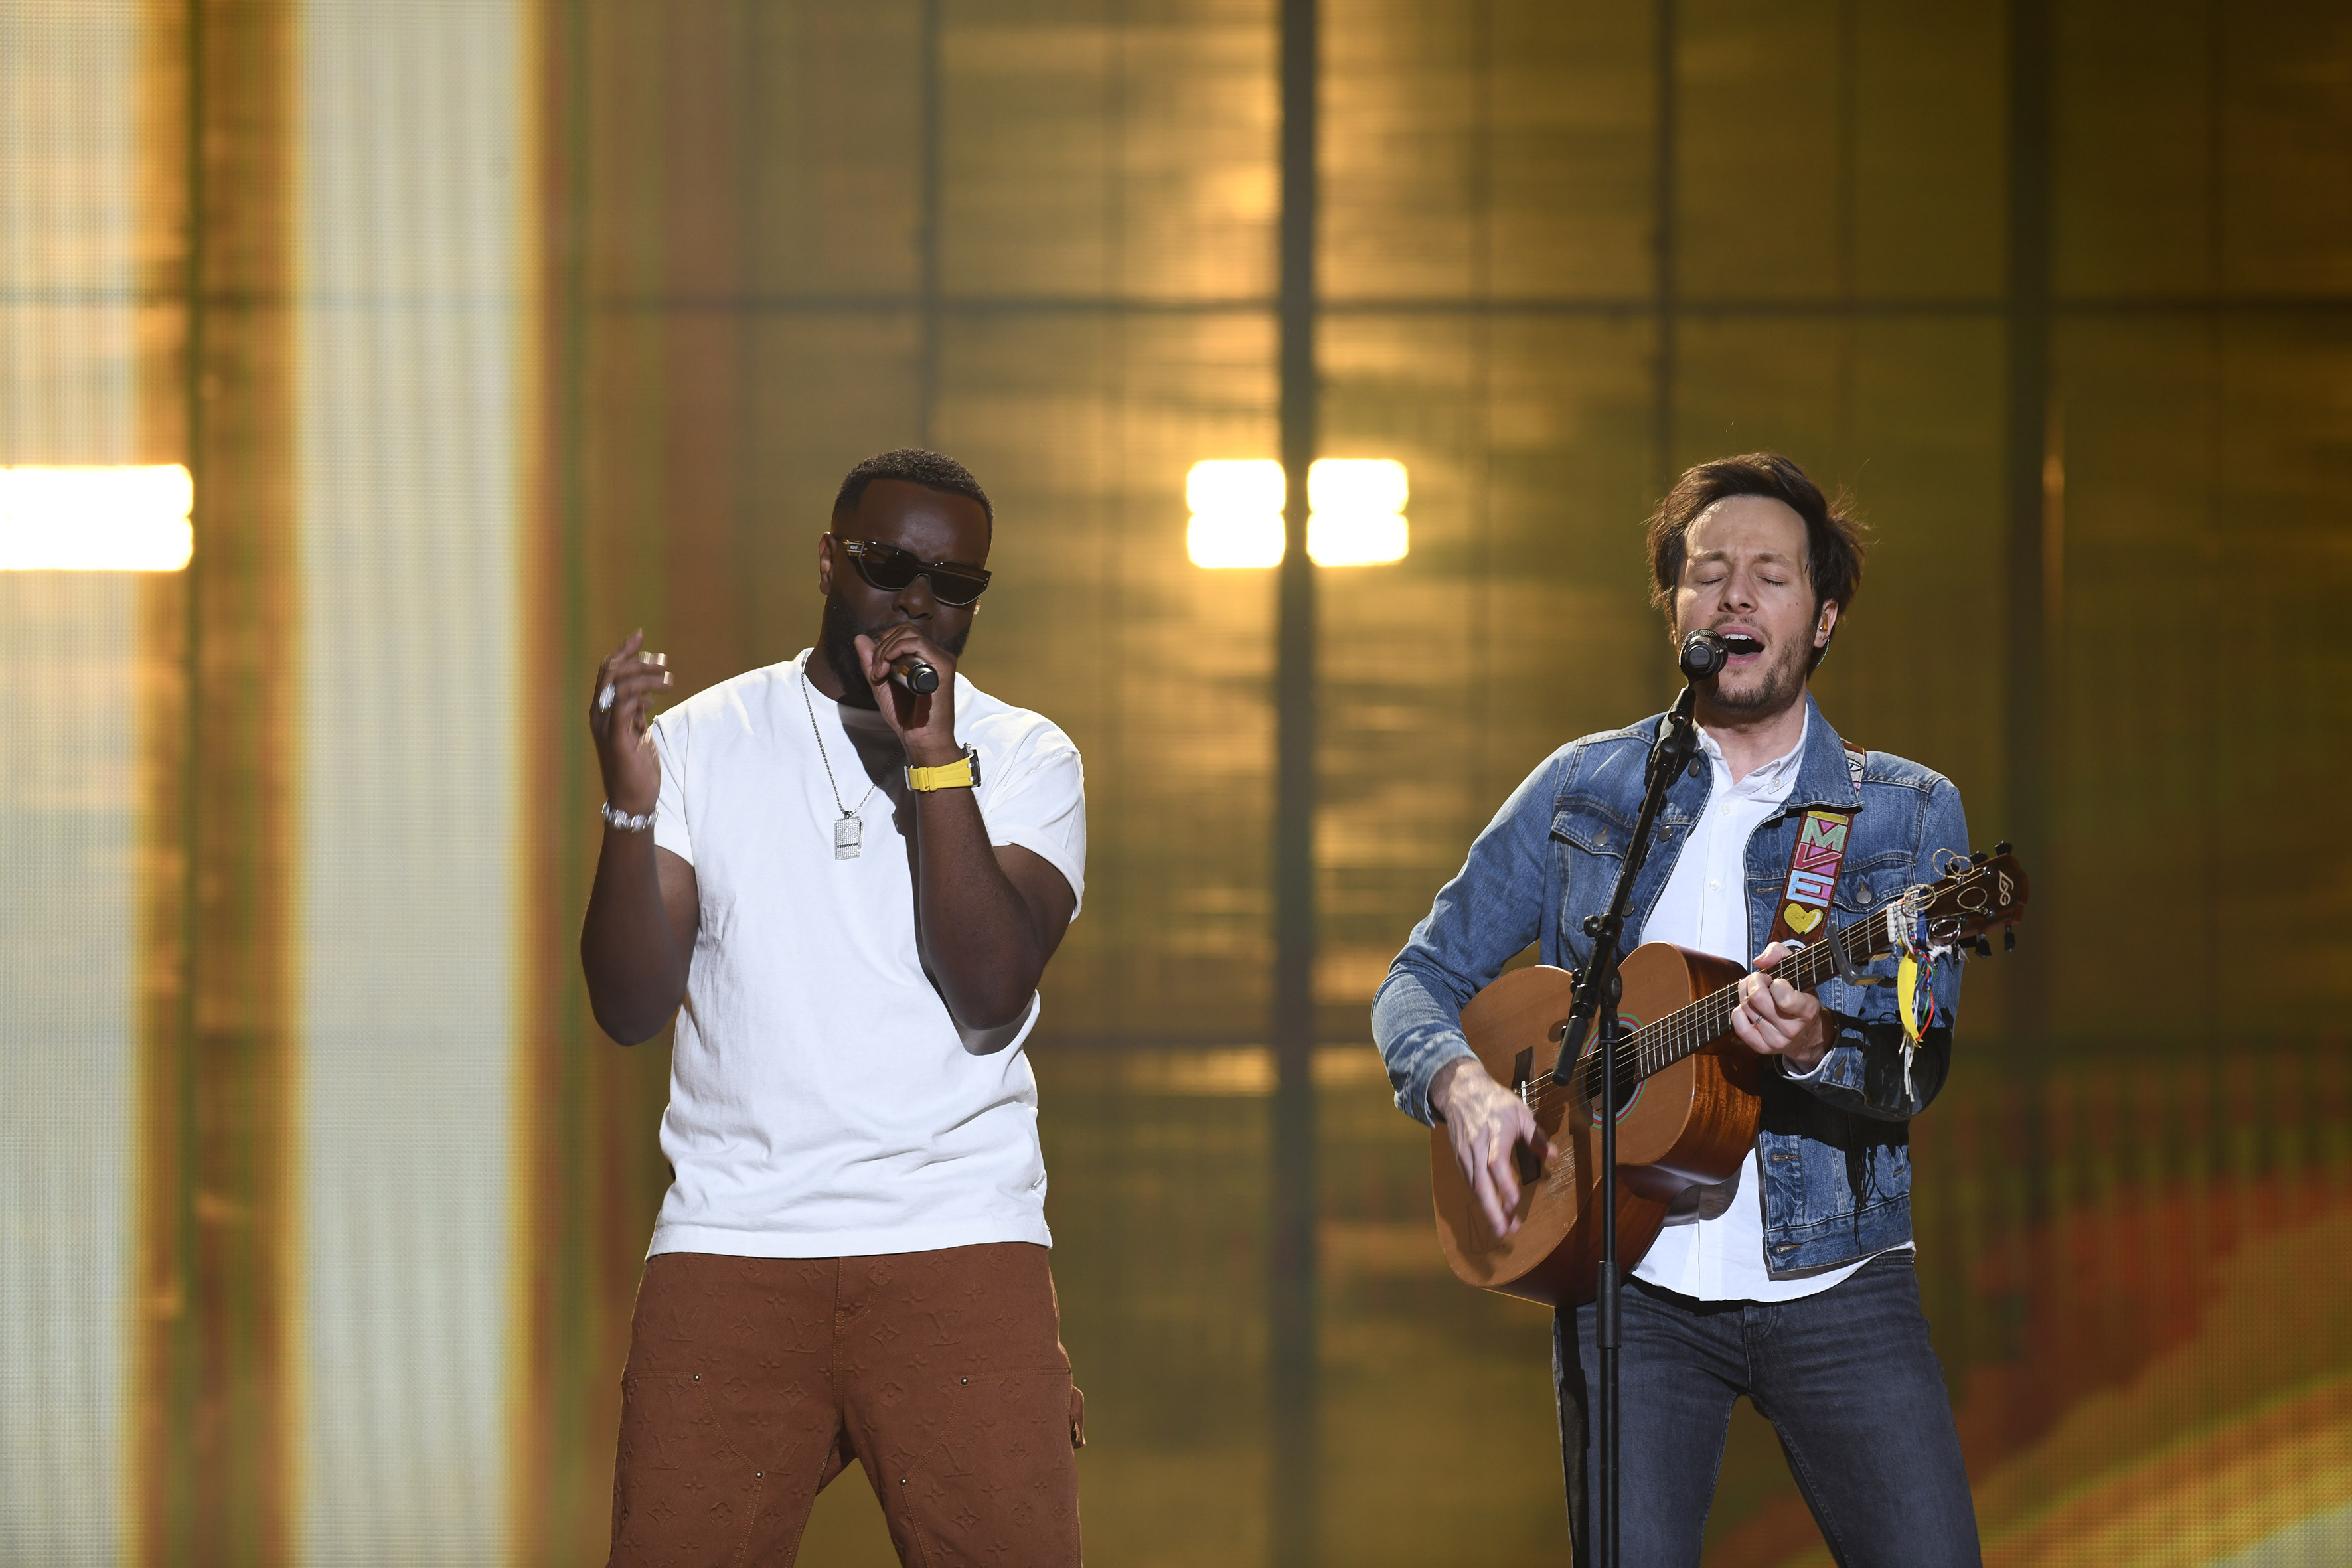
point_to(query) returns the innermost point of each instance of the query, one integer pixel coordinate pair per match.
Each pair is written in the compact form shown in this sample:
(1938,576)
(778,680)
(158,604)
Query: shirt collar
(1776,776)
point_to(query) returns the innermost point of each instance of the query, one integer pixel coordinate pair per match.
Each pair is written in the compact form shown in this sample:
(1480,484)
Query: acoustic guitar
(1688,1090)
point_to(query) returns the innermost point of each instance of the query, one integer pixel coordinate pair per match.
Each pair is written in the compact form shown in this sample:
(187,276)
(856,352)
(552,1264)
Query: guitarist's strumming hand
(1486,1123)
(1775,1020)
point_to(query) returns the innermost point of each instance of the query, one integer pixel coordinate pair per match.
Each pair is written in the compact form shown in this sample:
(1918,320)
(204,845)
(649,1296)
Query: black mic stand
(1670,753)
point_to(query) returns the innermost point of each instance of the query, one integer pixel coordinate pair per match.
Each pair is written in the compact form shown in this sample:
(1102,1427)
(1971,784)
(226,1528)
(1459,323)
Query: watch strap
(962,773)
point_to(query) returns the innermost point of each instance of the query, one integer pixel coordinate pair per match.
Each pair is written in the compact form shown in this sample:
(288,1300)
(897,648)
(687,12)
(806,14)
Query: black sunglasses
(889,568)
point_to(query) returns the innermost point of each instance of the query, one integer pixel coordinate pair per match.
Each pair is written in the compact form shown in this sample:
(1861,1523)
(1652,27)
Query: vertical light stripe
(408,488)
(68,941)
(69,83)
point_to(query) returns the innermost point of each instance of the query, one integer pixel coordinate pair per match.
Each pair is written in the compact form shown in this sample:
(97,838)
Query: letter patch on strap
(1813,874)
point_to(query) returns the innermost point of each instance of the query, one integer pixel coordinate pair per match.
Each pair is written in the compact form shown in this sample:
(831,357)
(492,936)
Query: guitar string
(1687,1029)
(1652,1046)
(1682,1032)
(1662,1042)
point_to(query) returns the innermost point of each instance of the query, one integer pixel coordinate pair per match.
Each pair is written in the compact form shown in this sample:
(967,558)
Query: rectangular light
(127,519)
(1356,516)
(1354,486)
(1366,538)
(1237,513)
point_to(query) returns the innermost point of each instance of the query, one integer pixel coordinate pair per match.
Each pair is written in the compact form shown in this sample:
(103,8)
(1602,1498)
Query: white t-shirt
(823,1102)
(1712,1247)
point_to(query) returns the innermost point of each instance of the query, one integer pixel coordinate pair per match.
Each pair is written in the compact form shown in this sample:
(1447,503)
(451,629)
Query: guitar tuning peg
(2003,847)
(2008,939)
(1693,769)
(1978,858)
(1984,947)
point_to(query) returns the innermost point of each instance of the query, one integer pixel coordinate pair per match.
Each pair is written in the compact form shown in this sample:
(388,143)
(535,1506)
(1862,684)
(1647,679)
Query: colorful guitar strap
(1812,882)
(1809,890)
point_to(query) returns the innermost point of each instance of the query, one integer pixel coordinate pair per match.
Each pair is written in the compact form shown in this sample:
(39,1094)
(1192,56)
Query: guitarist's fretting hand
(1775,1020)
(1486,1123)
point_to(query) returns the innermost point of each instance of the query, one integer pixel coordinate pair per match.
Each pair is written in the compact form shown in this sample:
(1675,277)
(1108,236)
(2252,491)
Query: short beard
(837,643)
(1782,683)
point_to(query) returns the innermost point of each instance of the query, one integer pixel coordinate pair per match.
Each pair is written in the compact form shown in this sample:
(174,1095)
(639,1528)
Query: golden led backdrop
(486,331)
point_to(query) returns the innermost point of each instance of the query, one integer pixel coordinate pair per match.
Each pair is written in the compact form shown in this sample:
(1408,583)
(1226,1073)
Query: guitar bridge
(1523,1067)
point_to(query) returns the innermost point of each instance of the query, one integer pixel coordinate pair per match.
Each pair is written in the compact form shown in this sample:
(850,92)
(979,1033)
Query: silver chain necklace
(850,831)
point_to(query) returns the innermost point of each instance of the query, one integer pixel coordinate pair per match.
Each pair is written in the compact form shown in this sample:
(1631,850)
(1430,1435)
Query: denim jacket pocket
(1593,825)
(1864,884)
(1592,837)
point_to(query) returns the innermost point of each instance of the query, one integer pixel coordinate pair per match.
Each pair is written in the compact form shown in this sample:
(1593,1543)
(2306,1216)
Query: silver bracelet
(624,822)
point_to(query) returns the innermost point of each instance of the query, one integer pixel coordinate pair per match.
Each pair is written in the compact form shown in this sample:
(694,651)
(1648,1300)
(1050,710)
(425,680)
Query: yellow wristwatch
(962,773)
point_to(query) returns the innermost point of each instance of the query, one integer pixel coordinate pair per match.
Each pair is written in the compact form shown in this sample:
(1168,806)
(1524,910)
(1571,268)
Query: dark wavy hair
(1835,539)
(930,469)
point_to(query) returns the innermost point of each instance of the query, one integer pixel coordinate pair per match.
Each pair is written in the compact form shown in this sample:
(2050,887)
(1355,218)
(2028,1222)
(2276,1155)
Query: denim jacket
(1834,1144)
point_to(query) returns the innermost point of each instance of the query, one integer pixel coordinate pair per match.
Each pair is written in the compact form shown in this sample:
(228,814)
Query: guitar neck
(1690,1028)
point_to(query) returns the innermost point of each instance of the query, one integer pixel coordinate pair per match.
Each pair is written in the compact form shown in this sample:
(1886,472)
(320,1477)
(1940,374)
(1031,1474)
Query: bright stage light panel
(1254,486)
(1356,516)
(1353,487)
(1236,512)
(1357,511)
(1356,539)
(125,519)
(1235,539)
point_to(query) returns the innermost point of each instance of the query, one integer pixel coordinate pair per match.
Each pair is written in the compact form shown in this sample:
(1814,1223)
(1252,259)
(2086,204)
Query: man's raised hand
(925,725)
(620,722)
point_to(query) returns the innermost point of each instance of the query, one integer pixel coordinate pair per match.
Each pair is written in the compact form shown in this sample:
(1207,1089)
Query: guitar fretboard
(1662,1042)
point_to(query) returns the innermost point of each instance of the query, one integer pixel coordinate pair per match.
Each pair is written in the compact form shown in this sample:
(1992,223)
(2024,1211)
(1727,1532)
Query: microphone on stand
(921,679)
(1703,656)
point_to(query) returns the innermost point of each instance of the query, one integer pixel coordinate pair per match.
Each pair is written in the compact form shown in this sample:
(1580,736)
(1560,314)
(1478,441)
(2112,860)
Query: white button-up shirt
(1711,1248)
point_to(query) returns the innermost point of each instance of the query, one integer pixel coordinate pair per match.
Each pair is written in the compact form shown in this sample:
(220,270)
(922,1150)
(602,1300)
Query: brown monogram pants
(752,1382)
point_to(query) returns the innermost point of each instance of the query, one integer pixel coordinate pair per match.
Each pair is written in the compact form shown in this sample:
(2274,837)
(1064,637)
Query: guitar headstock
(1974,896)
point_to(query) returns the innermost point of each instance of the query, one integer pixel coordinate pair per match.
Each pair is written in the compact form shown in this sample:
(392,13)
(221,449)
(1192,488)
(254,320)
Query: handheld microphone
(920,678)
(1703,656)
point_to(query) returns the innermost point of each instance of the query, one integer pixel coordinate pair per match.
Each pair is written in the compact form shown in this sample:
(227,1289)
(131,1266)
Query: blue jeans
(1847,1379)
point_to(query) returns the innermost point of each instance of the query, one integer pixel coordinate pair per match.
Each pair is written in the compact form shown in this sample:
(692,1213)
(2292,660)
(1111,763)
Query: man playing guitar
(1792,1281)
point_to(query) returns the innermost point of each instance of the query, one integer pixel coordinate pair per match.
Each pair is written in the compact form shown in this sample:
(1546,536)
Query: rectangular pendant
(847,834)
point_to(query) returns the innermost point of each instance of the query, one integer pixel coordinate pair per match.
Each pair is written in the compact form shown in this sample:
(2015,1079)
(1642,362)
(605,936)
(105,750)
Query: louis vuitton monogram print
(753,1382)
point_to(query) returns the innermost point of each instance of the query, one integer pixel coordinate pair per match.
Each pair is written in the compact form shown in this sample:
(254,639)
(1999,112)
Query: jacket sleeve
(1491,910)
(1862,1069)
